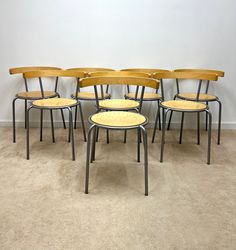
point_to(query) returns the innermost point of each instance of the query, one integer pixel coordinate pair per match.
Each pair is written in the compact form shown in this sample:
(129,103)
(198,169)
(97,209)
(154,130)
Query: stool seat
(118,119)
(33,95)
(193,97)
(180,105)
(89,96)
(146,97)
(55,102)
(118,104)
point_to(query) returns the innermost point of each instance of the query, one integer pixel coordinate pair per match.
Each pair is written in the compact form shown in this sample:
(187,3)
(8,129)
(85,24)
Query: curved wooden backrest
(21,70)
(186,75)
(90,70)
(54,73)
(119,80)
(119,73)
(220,73)
(145,70)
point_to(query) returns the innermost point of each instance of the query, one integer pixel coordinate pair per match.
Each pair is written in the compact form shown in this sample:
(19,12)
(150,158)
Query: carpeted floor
(191,205)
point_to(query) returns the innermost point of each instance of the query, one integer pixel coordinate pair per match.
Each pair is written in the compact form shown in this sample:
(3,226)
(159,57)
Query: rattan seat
(32,95)
(89,96)
(118,119)
(118,104)
(193,97)
(184,105)
(146,97)
(55,102)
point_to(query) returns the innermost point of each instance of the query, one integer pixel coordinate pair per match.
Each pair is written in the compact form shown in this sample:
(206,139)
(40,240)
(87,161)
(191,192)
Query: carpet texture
(191,205)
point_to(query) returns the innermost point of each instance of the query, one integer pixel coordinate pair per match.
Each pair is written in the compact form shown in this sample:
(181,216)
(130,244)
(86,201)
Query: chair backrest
(87,71)
(220,73)
(200,76)
(53,73)
(21,70)
(145,70)
(119,80)
(119,73)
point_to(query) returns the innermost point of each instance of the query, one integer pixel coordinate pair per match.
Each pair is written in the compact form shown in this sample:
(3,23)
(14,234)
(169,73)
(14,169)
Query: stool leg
(138,144)
(163,133)
(209,137)
(14,119)
(168,127)
(27,133)
(72,133)
(181,128)
(145,146)
(88,159)
(25,111)
(206,117)
(108,140)
(219,121)
(198,128)
(94,145)
(82,120)
(155,125)
(125,136)
(41,125)
(52,126)
(63,119)
(76,111)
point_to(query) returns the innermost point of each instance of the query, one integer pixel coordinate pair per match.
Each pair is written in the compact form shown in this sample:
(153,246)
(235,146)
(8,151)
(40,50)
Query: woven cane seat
(119,104)
(147,96)
(89,96)
(54,102)
(184,105)
(31,95)
(118,119)
(193,97)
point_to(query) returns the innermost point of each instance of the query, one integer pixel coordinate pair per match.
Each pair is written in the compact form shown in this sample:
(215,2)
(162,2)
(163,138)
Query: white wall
(119,34)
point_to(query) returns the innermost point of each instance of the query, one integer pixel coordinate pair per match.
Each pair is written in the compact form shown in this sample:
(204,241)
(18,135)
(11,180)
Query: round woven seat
(89,95)
(193,97)
(54,102)
(118,119)
(147,96)
(32,95)
(180,105)
(119,104)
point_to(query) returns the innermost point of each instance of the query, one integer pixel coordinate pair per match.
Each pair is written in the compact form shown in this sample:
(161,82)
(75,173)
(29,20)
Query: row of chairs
(117,117)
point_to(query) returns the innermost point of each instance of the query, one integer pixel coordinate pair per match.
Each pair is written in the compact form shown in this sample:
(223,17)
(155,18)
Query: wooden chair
(117,120)
(203,97)
(32,95)
(53,103)
(118,104)
(185,106)
(86,95)
(148,96)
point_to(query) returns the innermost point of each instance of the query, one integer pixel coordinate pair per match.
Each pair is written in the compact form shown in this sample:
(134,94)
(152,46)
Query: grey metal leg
(125,136)
(181,128)
(138,144)
(75,121)
(209,137)
(206,117)
(41,124)
(163,133)
(155,125)
(97,134)
(94,144)
(145,146)
(87,159)
(82,120)
(108,140)
(52,126)
(14,119)
(63,119)
(171,113)
(26,106)
(72,133)
(27,133)
(219,121)
(198,127)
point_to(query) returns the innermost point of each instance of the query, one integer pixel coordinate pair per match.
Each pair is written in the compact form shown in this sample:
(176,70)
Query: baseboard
(58,124)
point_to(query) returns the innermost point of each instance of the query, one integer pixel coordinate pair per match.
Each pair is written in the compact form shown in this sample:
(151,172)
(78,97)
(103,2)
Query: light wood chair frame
(92,133)
(56,73)
(22,70)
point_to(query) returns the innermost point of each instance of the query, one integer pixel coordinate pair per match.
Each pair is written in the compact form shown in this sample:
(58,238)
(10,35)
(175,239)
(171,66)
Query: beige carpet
(191,205)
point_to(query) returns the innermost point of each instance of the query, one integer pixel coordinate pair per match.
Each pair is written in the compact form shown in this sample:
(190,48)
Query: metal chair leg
(27,133)
(52,126)
(63,119)
(181,128)
(206,117)
(88,159)
(41,124)
(163,133)
(72,133)
(14,119)
(75,120)
(145,146)
(138,144)
(155,125)
(82,120)
(125,136)
(219,121)
(108,140)
(198,128)
(209,137)
(93,144)
(171,113)
(97,135)
(26,106)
